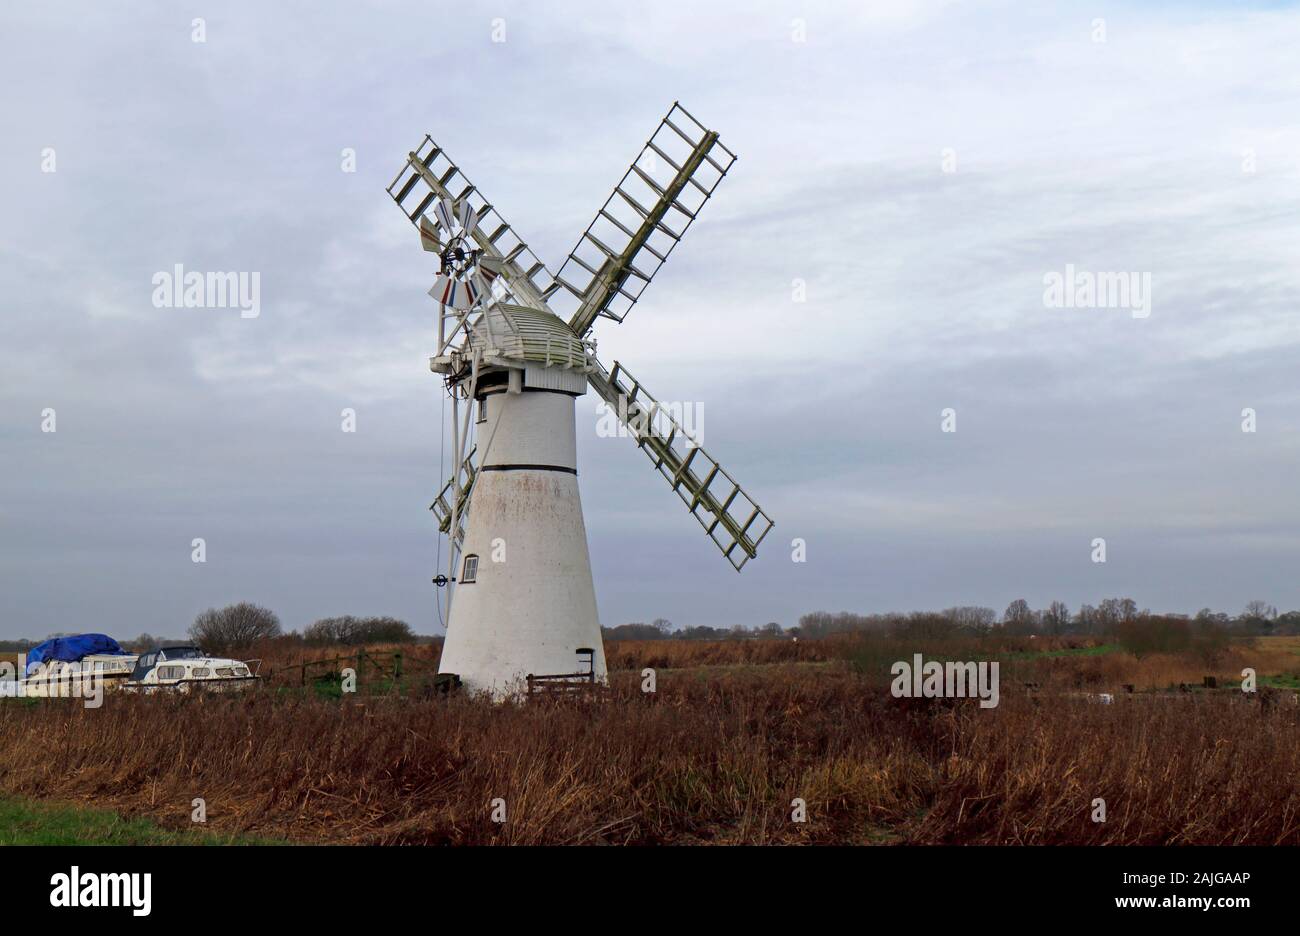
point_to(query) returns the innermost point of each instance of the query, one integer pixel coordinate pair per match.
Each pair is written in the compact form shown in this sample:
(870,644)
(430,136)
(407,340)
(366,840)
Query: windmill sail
(641,222)
(731,518)
(442,504)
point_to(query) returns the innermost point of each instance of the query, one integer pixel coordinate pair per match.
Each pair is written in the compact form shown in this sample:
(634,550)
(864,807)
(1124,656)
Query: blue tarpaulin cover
(71,649)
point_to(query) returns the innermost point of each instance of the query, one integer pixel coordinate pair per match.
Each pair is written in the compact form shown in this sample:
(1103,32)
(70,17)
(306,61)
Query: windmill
(515,351)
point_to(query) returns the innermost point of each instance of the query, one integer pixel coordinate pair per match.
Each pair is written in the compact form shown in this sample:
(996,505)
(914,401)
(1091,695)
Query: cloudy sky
(920,166)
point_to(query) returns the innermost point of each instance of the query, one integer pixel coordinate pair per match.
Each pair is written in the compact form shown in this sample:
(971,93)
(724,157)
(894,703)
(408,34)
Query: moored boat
(59,666)
(188,669)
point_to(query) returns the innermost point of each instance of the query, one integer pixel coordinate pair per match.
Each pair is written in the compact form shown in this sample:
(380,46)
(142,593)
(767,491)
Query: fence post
(302,673)
(397,666)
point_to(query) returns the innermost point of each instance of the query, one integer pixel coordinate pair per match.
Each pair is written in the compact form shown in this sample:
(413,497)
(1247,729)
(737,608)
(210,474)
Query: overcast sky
(1171,148)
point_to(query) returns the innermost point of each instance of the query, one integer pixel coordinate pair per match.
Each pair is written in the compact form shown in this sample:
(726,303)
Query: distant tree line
(1108,618)
(1118,618)
(241,625)
(238,626)
(661,629)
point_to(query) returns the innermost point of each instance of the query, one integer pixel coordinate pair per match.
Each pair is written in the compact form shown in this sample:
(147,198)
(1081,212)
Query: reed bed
(711,757)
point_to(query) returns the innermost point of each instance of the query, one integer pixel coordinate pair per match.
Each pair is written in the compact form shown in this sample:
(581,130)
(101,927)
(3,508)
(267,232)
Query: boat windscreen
(182,653)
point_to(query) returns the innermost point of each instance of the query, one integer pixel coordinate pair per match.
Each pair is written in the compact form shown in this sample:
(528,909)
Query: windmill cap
(526,334)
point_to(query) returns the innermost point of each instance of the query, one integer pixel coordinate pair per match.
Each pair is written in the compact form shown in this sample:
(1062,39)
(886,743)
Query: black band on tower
(572,471)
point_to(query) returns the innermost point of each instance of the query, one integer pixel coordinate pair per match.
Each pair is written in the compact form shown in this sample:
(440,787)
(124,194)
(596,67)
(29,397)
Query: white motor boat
(188,669)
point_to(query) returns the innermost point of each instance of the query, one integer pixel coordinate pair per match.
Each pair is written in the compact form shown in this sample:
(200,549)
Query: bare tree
(1260,610)
(1019,618)
(972,618)
(1056,619)
(237,625)
(1259,616)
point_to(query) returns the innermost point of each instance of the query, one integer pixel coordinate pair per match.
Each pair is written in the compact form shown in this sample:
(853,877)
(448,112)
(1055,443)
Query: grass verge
(30,822)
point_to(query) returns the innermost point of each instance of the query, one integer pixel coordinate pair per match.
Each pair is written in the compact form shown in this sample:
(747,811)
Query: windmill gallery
(515,350)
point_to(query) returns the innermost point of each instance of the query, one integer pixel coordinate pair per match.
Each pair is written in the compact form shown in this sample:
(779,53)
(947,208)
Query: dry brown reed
(713,756)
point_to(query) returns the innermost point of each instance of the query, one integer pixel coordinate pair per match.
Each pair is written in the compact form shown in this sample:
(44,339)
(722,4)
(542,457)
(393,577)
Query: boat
(187,668)
(57,666)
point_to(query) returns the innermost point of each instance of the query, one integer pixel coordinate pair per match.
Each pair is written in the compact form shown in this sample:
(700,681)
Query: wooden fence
(377,664)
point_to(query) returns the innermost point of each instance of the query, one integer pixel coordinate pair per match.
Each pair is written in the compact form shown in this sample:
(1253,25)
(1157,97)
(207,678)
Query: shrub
(354,631)
(1144,635)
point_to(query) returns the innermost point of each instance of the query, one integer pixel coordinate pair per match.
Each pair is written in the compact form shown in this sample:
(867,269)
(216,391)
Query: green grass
(1281,681)
(870,658)
(30,822)
(328,688)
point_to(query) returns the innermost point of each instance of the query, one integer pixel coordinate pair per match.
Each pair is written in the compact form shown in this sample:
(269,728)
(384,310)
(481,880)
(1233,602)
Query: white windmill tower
(514,348)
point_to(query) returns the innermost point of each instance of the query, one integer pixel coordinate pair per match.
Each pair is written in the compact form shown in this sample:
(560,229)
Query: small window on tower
(470,571)
(482,410)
